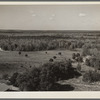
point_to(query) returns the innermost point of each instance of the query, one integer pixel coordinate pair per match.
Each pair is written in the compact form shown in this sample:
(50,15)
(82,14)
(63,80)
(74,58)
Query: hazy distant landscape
(32,60)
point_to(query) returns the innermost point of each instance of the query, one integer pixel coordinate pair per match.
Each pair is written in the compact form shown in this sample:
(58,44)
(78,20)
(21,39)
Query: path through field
(79,85)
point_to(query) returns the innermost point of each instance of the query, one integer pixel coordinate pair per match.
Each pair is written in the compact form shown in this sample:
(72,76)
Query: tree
(13,79)
(78,55)
(44,77)
(80,59)
(73,56)
(79,67)
(91,76)
(29,80)
(85,51)
(72,47)
(87,62)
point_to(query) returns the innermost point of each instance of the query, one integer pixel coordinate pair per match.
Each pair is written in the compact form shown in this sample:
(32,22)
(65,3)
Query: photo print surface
(50,47)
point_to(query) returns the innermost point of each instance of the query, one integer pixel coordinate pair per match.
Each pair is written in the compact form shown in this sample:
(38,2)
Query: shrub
(72,47)
(4,47)
(44,77)
(73,56)
(51,60)
(29,80)
(80,59)
(78,55)
(13,79)
(59,53)
(53,72)
(26,55)
(93,62)
(80,44)
(85,51)
(97,64)
(19,52)
(46,52)
(23,81)
(79,67)
(87,62)
(91,76)
(54,57)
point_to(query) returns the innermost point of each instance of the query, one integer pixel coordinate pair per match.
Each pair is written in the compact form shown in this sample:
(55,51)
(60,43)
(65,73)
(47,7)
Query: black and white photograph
(50,47)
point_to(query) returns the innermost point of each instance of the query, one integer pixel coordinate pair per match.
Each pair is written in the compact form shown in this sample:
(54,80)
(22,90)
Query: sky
(50,17)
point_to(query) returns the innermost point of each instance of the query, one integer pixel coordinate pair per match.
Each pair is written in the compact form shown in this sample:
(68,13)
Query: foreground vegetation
(44,77)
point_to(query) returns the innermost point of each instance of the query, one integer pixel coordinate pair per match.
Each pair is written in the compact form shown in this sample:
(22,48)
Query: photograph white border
(50,3)
(58,94)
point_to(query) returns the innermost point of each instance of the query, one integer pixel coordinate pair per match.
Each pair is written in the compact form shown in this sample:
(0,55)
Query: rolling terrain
(14,41)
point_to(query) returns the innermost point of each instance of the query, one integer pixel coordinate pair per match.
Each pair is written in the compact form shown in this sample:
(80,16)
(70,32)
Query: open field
(11,61)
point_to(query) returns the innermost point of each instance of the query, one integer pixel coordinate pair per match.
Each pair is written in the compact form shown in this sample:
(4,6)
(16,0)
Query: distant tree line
(39,44)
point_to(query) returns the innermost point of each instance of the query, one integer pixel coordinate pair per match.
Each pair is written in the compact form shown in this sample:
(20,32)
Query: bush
(93,62)
(19,52)
(23,81)
(26,55)
(91,76)
(72,47)
(78,55)
(29,80)
(51,60)
(44,77)
(73,56)
(80,44)
(54,57)
(80,59)
(79,67)
(85,51)
(87,62)
(53,72)
(13,79)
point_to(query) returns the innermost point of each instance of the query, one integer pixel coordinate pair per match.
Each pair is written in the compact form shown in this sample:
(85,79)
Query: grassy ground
(78,84)
(11,61)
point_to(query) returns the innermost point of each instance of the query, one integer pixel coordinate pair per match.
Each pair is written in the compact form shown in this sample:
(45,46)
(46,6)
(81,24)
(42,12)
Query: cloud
(82,14)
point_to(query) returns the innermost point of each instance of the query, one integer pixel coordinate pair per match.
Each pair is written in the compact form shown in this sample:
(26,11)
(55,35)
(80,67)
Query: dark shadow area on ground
(10,90)
(59,87)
